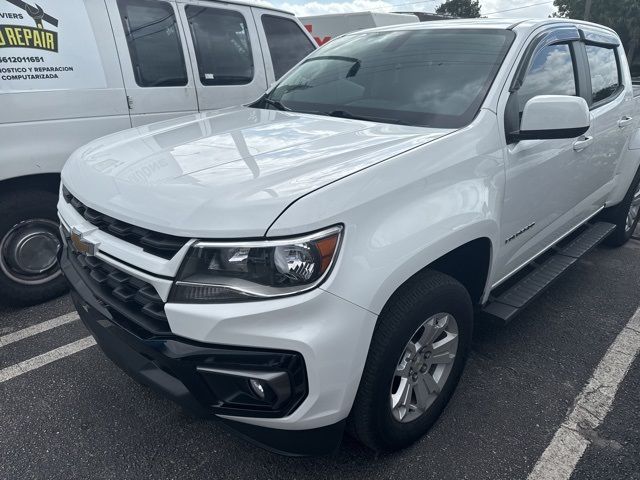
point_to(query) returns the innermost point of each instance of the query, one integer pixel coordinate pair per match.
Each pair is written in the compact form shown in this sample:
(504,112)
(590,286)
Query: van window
(605,74)
(287,43)
(223,49)
(154,43)
(551,73)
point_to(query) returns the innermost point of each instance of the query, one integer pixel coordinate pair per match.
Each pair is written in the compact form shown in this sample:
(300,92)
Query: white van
(75,70)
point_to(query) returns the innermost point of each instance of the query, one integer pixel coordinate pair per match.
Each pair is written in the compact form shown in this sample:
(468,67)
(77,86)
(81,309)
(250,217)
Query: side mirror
(548,117)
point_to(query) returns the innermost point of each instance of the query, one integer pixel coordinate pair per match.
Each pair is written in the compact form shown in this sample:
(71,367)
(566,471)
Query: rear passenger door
(154,59)
(285,42)
(225,50)
(611,106)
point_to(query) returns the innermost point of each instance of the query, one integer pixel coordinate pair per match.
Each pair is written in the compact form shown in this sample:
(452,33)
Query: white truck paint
(433,206)
(325,27)
(104,66)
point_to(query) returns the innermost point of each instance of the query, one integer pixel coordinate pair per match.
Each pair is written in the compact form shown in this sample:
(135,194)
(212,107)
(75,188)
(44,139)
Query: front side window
(287,43)
(154,43)
(435,78)
(551,73)
(605,75)
(223,49)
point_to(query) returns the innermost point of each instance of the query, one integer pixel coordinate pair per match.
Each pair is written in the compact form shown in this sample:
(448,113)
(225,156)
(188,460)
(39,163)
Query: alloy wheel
(424,367)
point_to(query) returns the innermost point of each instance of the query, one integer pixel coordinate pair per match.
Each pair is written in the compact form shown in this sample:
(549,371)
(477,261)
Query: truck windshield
(433,77)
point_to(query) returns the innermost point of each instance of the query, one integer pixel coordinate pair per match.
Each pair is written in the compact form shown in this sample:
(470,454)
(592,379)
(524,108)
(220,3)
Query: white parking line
(39,328)
(591,407)
(46,358)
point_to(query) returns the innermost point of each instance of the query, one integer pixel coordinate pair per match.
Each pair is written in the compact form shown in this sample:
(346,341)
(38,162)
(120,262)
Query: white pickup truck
(317,258)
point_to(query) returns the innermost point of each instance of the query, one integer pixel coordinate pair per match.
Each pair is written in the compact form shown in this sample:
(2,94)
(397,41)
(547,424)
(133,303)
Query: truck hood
(227,173)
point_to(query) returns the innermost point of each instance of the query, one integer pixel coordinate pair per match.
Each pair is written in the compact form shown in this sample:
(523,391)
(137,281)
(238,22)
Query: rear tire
(28,232)
(422,303)
(625,215)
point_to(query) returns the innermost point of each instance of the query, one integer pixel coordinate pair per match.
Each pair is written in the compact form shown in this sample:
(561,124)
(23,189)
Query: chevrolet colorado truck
(316,259)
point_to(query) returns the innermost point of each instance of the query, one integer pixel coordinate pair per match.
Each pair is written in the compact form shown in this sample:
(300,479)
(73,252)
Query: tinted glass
(154,43)
(287,43)
(223,50)
(550,73)
(605,77)
(435,78)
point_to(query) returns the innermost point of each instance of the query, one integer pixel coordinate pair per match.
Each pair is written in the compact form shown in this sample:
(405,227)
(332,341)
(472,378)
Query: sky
(318,7)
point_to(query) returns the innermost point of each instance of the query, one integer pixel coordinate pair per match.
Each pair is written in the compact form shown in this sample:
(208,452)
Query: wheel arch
(626,171)
(469,262)
(42,181)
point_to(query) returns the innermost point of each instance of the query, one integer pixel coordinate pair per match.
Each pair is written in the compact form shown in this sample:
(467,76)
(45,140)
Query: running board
(504,307)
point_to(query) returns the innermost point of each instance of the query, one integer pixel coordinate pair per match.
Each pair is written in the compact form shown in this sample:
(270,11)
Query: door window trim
(589,90)
(543,40)
(569,36)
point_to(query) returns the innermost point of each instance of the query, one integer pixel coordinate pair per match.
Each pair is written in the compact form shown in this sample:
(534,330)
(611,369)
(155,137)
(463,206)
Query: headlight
(253,270)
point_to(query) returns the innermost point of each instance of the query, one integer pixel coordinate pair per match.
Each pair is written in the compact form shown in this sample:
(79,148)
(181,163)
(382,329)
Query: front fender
(406,212)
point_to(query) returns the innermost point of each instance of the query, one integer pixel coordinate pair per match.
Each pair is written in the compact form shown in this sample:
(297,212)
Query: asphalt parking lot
(79,416)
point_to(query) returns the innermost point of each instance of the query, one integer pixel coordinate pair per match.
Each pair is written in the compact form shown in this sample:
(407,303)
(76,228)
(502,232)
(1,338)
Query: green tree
(621,15)
(460,8)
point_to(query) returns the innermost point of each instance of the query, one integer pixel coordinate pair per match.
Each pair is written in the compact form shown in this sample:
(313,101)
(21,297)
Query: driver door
(547,191)
(154,59)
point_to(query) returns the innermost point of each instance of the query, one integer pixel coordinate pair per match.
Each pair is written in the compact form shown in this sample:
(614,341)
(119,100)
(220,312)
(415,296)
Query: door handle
(624,121)
(580,145)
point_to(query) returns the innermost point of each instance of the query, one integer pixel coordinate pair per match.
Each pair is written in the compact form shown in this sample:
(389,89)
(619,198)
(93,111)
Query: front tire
(29,239)
(417,354)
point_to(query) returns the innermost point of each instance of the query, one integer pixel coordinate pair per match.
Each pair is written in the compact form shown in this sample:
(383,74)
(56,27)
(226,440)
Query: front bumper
(169,364)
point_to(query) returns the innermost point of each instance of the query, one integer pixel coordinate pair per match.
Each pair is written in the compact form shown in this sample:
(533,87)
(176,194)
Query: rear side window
(223,49)
(605,74)
(154,43)
(287,43)
(550,73)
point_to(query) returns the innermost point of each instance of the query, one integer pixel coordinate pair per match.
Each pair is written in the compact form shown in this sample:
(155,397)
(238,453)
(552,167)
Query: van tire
(24,208)
(618,215)
(372,419)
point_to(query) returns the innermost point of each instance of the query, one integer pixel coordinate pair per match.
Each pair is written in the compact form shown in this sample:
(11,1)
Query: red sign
(319,41)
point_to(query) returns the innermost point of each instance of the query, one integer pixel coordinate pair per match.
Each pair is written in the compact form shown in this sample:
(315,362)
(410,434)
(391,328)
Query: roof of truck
(247,3)
(520,24)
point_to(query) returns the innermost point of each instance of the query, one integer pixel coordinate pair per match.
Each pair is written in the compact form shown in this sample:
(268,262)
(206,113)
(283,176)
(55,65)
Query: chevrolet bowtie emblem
(82,245)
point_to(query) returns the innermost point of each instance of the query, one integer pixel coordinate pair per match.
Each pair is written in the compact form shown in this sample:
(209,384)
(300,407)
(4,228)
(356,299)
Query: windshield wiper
(275,103)
(346,114)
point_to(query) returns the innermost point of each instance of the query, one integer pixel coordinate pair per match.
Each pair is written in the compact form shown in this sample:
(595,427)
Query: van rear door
(285,41)
(154,59)
(225,50)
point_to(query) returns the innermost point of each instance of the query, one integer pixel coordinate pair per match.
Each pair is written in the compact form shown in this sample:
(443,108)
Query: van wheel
(418,351)
(29,241)
(625,215)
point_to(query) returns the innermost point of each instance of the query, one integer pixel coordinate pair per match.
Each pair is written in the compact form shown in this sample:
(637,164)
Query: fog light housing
(239,391)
